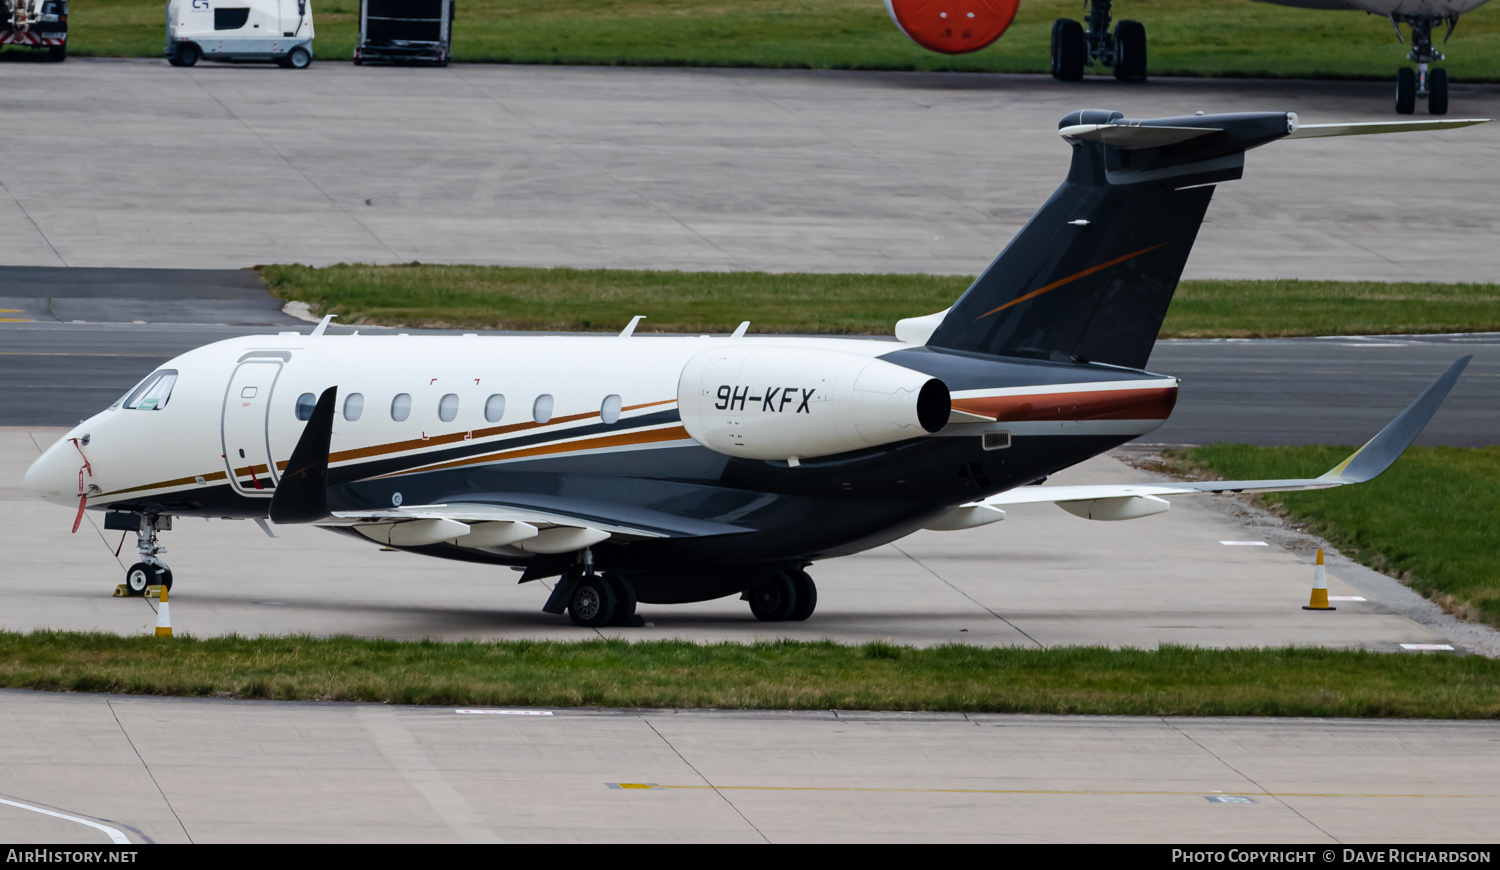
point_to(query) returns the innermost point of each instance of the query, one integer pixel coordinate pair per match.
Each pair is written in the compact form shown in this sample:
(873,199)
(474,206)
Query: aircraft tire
(807,595)
(1437,92)
(1130,51)
(624,602)
(1070,50)
(1406,90)
(593,602)
(139,576)
(775,599)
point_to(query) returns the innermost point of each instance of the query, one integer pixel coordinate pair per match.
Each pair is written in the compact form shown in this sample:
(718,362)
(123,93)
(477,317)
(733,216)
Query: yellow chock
(121,591)
(164,616)
(1317,601)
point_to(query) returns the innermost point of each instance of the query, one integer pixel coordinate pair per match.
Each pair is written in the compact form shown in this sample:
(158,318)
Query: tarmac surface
(171,770)
(230,166)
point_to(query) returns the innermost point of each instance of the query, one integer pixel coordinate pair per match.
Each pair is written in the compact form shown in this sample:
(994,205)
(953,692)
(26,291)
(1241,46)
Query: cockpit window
(153,393)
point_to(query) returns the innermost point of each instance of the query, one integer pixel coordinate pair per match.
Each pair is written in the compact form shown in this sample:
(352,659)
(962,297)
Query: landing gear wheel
(298,58)
(625,614)
(164,579)
(141,575)
(1070,51)
(807,595)
(1437,92)
(1406,91)
(775,599)
(592,603)
(187,55)
(1130,51)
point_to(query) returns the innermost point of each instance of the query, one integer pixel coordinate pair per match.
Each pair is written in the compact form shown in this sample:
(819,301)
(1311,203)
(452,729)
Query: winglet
(1389,443)
(302,494)
(322,326)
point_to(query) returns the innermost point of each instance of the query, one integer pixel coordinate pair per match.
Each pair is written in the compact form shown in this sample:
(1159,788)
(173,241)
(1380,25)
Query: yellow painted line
(1272,794)
(15,320)
(10,311)
(54,353)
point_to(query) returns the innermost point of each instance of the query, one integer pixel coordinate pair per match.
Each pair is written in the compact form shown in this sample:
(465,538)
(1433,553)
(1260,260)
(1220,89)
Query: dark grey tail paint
(302,495)
(1090,277)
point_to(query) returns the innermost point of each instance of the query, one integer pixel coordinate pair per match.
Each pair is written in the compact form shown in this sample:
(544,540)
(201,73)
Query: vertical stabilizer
(1090,276)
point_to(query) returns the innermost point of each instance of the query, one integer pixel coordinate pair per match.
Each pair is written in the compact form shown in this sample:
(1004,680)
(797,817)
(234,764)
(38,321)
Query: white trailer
(279,31)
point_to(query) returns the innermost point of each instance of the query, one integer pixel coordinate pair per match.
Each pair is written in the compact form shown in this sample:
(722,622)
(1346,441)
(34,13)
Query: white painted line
(1245,543)
(1426,646)
(1347,598)
(504,712)
(114,835)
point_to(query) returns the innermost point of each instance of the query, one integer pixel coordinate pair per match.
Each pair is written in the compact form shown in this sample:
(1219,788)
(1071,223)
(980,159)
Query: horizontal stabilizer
(1127,501)
(1367,128)
(1132,134)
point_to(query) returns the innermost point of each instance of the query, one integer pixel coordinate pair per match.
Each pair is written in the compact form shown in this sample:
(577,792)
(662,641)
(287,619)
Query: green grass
(502,297)
(1187,37)
(777,675)
(1433,519)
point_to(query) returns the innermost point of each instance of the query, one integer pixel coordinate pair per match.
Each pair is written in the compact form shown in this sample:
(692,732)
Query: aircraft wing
(1129,501)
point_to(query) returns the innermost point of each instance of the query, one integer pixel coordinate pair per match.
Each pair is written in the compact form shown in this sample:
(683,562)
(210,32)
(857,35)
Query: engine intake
(787,402)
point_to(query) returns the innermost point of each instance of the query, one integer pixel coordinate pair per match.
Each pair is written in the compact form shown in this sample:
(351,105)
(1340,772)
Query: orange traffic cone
(164,615)
(1317,601)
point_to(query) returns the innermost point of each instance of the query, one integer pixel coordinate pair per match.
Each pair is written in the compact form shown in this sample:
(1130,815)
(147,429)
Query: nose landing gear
(150,570)
(1422,83)
(1074,48)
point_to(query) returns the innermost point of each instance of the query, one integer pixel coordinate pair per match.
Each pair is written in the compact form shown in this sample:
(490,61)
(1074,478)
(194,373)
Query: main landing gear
(789,596)
(1074,48)
(600,599)
(150,570)
(1422,83)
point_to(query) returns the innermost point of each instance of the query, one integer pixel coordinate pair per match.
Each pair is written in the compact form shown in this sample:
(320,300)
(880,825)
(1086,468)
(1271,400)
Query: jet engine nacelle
(952,26)
(791,403)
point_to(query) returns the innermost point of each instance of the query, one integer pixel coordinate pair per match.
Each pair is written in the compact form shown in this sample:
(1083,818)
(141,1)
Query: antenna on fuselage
(322,326)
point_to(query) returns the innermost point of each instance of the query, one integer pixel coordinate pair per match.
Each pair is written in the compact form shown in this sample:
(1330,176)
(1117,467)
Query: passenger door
(246,426)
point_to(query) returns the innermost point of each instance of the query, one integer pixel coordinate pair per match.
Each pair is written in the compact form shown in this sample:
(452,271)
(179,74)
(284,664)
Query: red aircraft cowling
(952,26)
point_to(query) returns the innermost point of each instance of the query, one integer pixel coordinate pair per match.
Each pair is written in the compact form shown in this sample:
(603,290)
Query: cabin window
(153,393)
(494,408)
(609,412)
(305,404)
(448,407)
(231,18)
(541,409)
(401,407)
(247,393)
(354,405)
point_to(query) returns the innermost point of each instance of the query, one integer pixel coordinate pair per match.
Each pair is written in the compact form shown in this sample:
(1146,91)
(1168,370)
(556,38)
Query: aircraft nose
(54,475)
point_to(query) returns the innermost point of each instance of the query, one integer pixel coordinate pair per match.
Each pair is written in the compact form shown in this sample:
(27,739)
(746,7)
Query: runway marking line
(1427,646)
(504,712)
(1245,543)
(14,320)
(651,786)
(114,834)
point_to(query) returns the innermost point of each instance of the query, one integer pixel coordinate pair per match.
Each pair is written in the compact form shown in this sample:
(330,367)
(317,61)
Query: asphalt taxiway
(167,770)
(230,166)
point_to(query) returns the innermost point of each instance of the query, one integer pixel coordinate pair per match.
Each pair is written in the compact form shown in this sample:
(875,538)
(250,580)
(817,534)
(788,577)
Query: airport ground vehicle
(405,31)
(671,469)
(37,24)
(238,31)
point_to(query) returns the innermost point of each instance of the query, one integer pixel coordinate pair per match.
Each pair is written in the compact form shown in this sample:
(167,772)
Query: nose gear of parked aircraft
(150,570)
(1074,48)
(1422,83)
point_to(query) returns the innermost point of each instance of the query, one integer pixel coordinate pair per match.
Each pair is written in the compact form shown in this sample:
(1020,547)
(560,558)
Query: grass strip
(1432,520)
(505,297)
(1188,37)
(782,675)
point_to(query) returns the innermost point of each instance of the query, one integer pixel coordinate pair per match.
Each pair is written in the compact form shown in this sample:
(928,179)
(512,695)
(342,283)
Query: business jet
(963,26)
(676,469)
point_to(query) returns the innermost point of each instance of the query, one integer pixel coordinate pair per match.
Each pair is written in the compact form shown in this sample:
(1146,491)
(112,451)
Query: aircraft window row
(153,393)
(354,405)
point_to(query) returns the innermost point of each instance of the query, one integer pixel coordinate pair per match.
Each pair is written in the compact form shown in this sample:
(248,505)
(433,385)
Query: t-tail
(1090,276)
